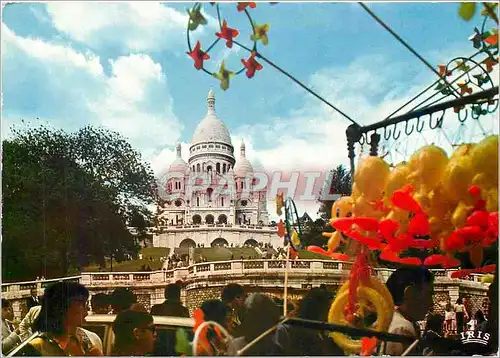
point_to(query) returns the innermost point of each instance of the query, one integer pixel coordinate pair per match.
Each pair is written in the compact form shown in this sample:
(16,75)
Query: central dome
(211,129)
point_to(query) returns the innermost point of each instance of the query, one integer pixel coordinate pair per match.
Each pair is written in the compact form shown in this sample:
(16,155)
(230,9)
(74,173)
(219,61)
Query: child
(449,316)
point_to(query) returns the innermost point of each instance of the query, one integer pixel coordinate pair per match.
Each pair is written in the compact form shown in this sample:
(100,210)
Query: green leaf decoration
(467,10)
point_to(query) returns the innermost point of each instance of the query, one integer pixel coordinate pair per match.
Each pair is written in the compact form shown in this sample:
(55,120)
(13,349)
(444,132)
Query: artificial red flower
(198,56)
(419,225)
(243,5)
(490,62)
(251,65)
(402,199)
(443,72)
(464,88)
(227,33)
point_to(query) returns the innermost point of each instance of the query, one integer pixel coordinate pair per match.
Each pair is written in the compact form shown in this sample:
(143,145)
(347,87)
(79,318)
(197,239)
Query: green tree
(68,199)
(341,183)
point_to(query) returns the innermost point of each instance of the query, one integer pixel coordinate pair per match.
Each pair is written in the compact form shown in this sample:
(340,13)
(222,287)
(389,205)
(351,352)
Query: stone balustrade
(205,280)
(206,269)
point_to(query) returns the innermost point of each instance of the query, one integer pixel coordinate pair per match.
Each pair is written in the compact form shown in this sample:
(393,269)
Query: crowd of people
(241,317)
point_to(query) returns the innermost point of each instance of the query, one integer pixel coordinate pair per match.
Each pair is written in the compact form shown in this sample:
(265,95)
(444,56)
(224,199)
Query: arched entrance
(251,242)
(222,219)
(219,242)
(187,243)
(209,219)
(196,219)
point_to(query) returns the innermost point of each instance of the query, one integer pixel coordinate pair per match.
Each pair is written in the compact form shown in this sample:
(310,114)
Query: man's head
(100,303)
(121,299)
(173,292)
(411,290)
(7,312)
(134,331)
(34,292)
(233,295)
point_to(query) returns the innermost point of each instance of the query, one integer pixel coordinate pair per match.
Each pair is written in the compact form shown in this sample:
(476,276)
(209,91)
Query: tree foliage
(312,230)
(341,184)
(68,199)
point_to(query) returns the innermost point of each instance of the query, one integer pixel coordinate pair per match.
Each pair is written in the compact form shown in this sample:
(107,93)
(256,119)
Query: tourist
(411,290)
(33,300)
(211,341)
(135,334)
(25,327)
(460,314)
(449,317)
(172,306)
(261,314)
(64,308)
(100,303)
(10,334)
(233,296)
(300,341)
(121,299)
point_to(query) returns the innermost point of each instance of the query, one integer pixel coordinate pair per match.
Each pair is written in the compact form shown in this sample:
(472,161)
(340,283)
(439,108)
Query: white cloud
(70,89)
(133,26)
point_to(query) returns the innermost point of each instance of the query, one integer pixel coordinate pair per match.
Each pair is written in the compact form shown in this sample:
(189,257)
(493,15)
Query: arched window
(209,168)
(221,201)
(198,167)
(222,219)
(217,167)
(209,219)
(197,201)
(251,243)
(187,243)
(209,194)
(224,168)
(196,219)
(219,242)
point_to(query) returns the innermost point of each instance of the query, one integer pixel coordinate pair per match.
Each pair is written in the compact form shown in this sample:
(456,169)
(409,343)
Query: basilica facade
(212,200)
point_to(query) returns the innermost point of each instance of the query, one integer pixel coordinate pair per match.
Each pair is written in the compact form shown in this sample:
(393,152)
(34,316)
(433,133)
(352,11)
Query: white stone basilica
(210,200)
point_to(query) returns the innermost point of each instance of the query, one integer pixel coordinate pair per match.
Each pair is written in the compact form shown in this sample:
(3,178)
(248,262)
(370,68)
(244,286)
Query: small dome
(243,167)
(211,128)
(178,165)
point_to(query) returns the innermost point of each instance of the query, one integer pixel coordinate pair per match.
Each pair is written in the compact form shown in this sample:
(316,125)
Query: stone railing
(23,289)
(215,226)
(207,269)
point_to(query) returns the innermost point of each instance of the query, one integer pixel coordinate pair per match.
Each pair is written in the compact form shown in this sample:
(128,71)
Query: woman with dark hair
(460,315)
(211,341)
(261,314)
(299,341)
(64,308)
(135,333)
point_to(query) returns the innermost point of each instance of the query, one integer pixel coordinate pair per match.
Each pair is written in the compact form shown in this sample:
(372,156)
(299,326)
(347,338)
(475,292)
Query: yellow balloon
(342,207)
(397,179)
(371,177)
(427,165)
(485,159)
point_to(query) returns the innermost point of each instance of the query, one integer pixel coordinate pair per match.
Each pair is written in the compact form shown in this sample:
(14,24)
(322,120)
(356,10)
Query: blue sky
(124,66)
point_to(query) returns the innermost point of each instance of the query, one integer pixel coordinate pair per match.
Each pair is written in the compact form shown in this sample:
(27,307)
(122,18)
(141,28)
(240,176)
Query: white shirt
(399,325)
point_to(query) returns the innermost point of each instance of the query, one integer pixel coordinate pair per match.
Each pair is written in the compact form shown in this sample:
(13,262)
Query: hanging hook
(408,132)
(476,111)
(420,128)
(394,133)
(459,115)
(368,139)
(387,130)
(494,103)
(362,139)
(439,122)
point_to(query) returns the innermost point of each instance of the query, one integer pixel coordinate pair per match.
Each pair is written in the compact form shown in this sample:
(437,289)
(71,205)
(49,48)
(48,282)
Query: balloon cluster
(435,203)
